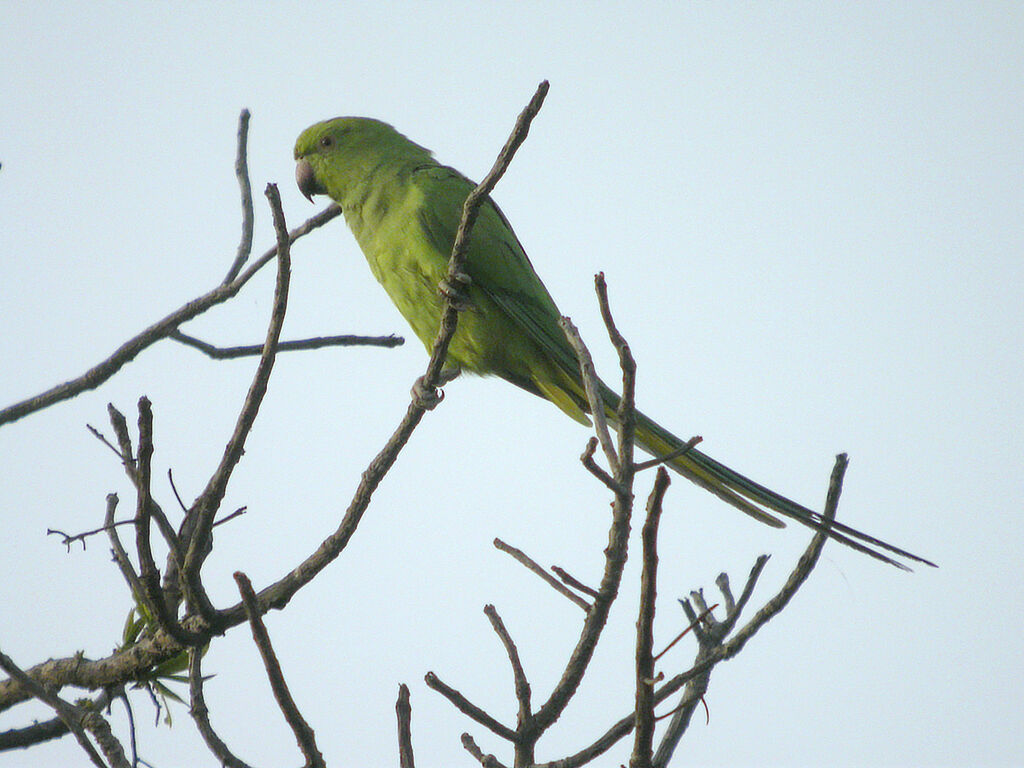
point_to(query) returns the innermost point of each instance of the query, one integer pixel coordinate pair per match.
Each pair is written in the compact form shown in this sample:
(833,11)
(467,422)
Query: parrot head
(337,156)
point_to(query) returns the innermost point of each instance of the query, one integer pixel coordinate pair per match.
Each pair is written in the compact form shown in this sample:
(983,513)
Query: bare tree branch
(468,708)
(570,580)
(201,714)
(525,559)
(128,351)
(626,413)
(591,385)
(487,761)
(67,539)
(685,448)
(242,174)
(618,535)
(70,715)
(470,208)
(644,731)
(97,725)
(124,439)
(708,659)
(149,575)
(303,733)
(37,733)
(196,530)
(317,342)
(803,568)
(404,711)
(587,459)
(120,556)
(522,685)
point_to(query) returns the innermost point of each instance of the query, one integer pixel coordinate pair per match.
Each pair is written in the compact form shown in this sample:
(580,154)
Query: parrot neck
(374,196)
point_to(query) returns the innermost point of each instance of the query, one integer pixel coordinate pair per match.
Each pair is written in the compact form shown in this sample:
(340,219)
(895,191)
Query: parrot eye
(326,142)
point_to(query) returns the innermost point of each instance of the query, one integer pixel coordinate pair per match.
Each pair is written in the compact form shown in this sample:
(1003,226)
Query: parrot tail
(750,497)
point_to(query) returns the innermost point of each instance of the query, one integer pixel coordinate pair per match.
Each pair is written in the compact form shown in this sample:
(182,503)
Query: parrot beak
(305,177)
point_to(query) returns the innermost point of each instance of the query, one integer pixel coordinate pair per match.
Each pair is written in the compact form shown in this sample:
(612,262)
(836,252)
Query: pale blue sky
(811,223)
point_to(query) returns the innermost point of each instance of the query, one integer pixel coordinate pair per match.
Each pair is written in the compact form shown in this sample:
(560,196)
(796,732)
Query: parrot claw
(430,397)
(426,397)
(454,291)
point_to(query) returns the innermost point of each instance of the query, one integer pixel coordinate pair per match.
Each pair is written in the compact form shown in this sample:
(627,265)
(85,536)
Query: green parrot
(404,209)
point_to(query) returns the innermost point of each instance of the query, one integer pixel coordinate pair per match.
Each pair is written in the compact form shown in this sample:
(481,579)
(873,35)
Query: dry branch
(70,715)
(303,733)
(532,565)
(245,188)
(644,708)
(131,349)
(316,342)
(403,709)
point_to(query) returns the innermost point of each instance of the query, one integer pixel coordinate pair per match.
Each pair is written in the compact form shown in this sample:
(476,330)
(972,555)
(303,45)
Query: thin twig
(685,448)
(592,386)
(487,761)
(206,506)
(625,414)
(803,568)
(102,438)
(201,714)
(685,632)
(587,459)
(525,559)
(522,685)
(124,440)
(120,556)
(303,733)
(242,174)
(733,612)
(67,539)
(570,580)
(468,708)
(237,513)
(132,740)
(174,490)
(316,342)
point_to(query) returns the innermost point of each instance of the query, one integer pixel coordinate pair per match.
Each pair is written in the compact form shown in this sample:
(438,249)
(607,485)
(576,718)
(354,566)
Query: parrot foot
(427,398)
(430,397)
(455,291)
